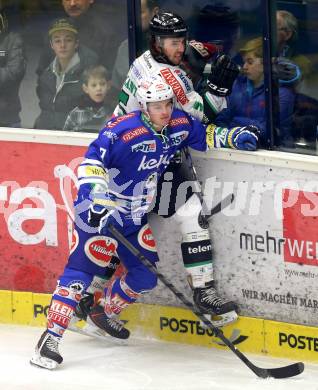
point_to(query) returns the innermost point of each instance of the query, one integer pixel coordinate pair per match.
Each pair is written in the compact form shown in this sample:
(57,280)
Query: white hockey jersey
(146,67)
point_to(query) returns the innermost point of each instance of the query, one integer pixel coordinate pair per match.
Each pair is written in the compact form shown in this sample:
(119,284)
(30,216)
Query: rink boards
(272,338)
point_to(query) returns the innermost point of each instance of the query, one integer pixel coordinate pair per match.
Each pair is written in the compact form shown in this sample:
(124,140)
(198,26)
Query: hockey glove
(223,74)
(196,56)
(287,72)
(241,138)
(97,216)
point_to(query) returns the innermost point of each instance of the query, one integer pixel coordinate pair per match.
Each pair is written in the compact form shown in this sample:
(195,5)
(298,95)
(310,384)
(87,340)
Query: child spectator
(246,104)
(93,110)
(59,86)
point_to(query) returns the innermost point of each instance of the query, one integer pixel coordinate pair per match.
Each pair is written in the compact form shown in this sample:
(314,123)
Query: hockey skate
(111,325)
(98,324)
(46,353)
(222,312)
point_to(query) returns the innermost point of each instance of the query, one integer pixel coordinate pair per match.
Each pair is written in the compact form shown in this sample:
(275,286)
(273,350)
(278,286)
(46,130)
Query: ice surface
(136,364)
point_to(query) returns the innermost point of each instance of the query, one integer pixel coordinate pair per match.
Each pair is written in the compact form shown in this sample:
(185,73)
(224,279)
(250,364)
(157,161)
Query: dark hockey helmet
(167,24)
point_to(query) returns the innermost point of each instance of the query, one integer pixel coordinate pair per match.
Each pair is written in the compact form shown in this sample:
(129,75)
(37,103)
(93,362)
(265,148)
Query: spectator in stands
(287,35)
(59,87)
(305,116)
(93,110)
(12,70)
(246,104)
(101,27)
(148,9)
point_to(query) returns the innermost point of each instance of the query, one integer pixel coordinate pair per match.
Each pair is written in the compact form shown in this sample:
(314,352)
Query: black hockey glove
(223,74)
(97,216)
(286,71)
(197,55)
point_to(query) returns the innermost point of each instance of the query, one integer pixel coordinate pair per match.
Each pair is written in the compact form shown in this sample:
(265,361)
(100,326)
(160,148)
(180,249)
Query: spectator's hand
(223,74)
(244,138)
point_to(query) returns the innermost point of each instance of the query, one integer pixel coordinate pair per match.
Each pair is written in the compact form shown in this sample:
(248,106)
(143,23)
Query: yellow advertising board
(253,335)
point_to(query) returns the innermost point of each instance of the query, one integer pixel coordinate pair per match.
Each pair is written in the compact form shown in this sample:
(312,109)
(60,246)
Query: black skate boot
(207,300)
(47,354)
(84,306)
(111,325)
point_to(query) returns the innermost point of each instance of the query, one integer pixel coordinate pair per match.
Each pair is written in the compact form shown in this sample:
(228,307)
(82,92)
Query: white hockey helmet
(153,90)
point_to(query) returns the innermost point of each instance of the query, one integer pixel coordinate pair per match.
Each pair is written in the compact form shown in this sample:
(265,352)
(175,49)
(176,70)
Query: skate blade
(43,362)
(221,320)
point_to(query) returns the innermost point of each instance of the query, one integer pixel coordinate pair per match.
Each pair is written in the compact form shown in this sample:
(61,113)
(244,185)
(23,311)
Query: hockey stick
(205,214)
(281,372)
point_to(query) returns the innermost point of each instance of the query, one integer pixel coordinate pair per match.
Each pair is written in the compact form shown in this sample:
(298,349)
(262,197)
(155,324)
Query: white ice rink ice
(136,364)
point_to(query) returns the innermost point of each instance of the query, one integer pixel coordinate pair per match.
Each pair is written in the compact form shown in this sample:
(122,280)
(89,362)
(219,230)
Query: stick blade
(281,372)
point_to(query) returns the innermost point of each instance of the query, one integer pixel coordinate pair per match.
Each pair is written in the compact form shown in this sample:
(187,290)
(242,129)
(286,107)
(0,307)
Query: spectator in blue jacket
(246,104)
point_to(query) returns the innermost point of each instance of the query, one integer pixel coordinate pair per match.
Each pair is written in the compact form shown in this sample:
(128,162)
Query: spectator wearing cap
(59,87)
(246,103)
(101,28)
(12,70)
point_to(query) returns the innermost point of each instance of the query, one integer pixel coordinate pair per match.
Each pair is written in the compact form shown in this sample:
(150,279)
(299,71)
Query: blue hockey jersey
(123,164)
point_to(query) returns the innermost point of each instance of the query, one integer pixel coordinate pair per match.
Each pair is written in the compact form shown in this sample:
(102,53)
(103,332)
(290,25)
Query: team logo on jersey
(134,133)
(120,119)
(100,249)
(177,138)
(145,147)
(153,163)
(183,78)
(175,85)
(146,240)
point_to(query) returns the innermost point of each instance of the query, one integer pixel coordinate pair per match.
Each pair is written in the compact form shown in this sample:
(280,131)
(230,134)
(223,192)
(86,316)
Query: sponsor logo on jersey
(109,134)
(177,138)
(120,119)
(175,85)
(63,292)
(183,78)
(60,313)
(135,71)
(147,58)
(100,249)
(134,133)
(76,285)
(91,170)
(153,163)
(178,121)
(145,238)
(116,305)
(145,147)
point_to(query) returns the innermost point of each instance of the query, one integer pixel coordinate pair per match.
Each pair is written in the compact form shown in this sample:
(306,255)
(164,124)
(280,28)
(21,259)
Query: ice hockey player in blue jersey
(117,184)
